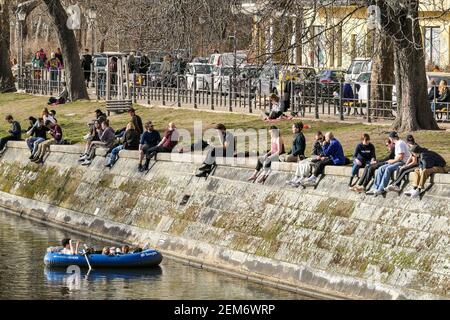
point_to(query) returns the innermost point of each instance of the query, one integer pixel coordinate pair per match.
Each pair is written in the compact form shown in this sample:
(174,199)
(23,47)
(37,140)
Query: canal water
(23,244)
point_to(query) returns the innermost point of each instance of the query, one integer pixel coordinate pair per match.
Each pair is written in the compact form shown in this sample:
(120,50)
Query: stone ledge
(71,149)
(17,145)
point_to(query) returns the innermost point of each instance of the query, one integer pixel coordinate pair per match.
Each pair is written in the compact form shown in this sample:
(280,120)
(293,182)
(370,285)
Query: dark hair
(32,119)
(410,140)
(365,137)
(393,135)
(53,112)
(98,111)
(106,122)
(299,125)
(221,126)
(65,242)
(9,117)
(273,128)
(273,96)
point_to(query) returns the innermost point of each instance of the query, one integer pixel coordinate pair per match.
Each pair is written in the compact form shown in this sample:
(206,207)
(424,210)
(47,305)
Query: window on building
(319,57)
(432,45)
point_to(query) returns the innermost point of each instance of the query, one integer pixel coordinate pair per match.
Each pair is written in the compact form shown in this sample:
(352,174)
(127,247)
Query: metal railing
(310,97)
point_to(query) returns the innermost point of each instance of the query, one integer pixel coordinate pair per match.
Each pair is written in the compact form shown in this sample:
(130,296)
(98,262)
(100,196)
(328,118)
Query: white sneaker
(392,188)
(410,192)
(83,158)
(415,193)
(371,192)
(86,162)
(311,181)
(379,192)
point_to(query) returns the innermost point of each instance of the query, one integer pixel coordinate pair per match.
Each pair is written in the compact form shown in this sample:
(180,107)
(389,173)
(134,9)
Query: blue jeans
(115,154)
(384,174)
(33,144)
(356,167)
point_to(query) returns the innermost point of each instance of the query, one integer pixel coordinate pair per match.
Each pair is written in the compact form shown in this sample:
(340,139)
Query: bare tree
(74,75)
(6,76)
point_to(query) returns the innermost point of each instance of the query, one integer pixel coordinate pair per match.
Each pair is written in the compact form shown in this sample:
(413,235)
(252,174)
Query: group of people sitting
(71,247)
(135,136)
(38,141)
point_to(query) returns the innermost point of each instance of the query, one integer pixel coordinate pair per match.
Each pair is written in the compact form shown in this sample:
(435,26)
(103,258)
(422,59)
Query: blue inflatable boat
(144,259)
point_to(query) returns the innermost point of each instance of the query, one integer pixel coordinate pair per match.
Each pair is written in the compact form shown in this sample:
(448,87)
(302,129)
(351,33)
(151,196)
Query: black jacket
(445,96)
(16,130)
(429,159)
(317,149)
(132,139)
(298,146)
(40,132)
(390,156)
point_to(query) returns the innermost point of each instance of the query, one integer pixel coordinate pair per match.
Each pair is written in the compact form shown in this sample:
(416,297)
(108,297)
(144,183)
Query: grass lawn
(73,118)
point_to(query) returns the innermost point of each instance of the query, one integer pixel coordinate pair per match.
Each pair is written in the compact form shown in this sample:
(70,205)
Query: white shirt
(66,251)
(402,147)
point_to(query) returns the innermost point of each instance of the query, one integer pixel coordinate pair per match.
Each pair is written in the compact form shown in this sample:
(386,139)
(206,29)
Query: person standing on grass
(430,163)
(149,139)
(14,134)
(364,156)
(44,147)
(298,145)
(333,155)
(384,173)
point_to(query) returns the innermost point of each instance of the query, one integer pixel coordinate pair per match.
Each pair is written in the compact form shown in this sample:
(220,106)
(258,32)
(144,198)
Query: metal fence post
(250,109)
(316,103)
(163,94)
(341,102)
(211,89)
(195,91)
(369,89)
(134,93)
(178,91)
(230,108)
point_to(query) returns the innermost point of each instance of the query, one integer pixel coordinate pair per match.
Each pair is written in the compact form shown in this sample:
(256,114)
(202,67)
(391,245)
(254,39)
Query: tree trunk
(6,77)
(414,111)
(382,79)
(69,47)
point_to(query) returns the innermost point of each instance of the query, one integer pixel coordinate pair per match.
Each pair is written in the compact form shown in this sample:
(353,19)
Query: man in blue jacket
(15,133)
(333,155)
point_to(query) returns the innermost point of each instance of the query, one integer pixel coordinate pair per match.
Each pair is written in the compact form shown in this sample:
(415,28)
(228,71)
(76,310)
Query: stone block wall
(325,240)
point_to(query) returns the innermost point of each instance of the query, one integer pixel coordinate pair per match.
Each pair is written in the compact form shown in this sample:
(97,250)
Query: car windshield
(100,62)
(203,69)
(364,78)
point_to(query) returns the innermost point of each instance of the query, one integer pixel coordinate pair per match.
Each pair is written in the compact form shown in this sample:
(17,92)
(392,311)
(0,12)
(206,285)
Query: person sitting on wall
(107,141)
(383,174)
(137,122)
(38,134)
(149,139)
(404,171)
(57,136)
(14,134)
(333,155)
(226,149)
(62,98)
(131,142)
(305,167)
(364,156)
(265,162)
(167,144)
(430,163)
(69,248)
(369,171)
(297,152)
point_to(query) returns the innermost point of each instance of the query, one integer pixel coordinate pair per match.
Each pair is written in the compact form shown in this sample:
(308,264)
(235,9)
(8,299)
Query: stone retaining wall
(327,241)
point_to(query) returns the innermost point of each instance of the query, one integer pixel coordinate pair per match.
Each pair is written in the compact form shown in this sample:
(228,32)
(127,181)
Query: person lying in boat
(69,248)
(125,249)
(106,251)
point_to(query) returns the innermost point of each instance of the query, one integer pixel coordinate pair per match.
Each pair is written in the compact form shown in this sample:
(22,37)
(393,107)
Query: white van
(358,66)
(227,59)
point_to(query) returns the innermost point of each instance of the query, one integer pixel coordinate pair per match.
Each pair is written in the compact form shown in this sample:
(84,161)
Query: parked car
(227,59)
(100,62)
(358,66)
(302,77)
(202,72)
(268,80)
(222,78)
(202,60)
(329,81)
